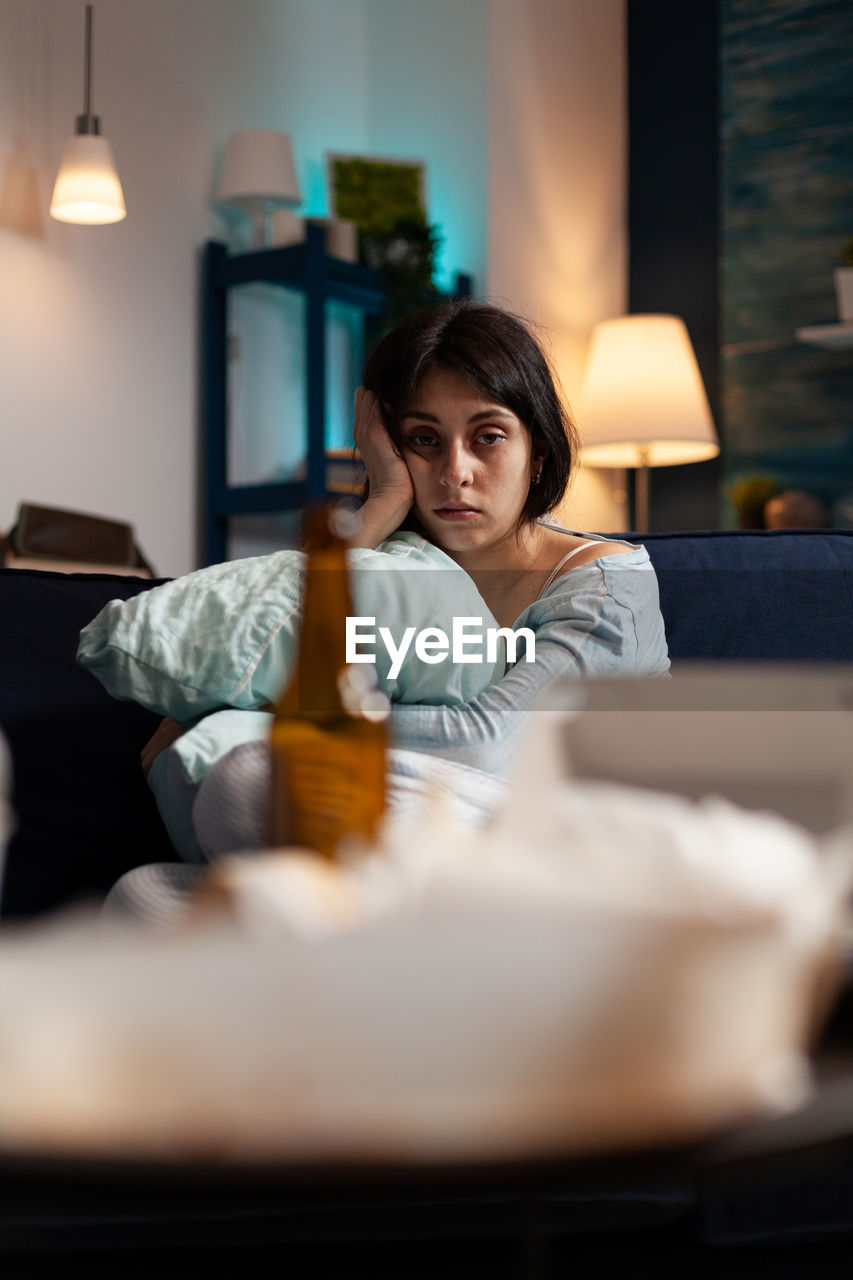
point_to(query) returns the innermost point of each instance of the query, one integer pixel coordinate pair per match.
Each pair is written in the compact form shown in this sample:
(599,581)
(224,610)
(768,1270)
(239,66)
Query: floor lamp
(643,403)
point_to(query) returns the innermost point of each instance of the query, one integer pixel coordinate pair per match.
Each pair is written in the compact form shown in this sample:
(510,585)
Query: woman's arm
(594,623)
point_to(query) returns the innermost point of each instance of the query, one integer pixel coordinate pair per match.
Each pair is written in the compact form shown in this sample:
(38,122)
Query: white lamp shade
(258,167)
(643,402)
(87,187)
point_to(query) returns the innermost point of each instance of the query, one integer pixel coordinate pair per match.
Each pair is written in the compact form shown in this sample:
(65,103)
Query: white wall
(99,325)
(557,192)
(427,97)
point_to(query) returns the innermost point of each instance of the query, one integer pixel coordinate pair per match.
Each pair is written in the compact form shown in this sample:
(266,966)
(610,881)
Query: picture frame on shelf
(376,192)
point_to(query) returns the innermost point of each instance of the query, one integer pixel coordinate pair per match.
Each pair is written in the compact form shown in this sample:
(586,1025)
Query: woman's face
(471,463)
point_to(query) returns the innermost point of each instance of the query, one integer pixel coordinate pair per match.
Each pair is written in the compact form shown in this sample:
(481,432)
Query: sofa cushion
(83,812)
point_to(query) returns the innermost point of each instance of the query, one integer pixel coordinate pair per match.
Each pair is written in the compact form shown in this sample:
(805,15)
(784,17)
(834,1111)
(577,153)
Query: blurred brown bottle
(329,734)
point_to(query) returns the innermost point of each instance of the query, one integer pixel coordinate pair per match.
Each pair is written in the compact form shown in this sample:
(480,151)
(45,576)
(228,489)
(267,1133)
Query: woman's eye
(491,437)
(419,441)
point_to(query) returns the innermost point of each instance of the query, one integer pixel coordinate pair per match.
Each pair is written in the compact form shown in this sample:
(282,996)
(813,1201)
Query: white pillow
(226,636)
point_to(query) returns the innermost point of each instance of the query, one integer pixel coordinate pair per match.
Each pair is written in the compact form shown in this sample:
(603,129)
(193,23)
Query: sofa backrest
(780,595)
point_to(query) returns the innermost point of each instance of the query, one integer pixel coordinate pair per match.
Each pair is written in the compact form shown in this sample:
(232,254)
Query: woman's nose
(456,470)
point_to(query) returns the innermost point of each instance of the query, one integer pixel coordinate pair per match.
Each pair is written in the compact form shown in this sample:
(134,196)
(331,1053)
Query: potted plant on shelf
(386,201)
(844,283)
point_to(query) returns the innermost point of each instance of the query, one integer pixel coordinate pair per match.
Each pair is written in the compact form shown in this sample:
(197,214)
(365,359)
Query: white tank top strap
(590,542)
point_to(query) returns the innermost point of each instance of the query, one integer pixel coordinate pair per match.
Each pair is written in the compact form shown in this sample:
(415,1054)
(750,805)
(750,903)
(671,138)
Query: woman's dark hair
(497,354)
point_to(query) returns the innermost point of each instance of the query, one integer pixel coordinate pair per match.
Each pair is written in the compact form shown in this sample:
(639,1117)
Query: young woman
(465,440)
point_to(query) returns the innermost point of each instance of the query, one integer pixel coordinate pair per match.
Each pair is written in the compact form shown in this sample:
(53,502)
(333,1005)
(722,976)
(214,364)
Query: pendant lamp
(87,188)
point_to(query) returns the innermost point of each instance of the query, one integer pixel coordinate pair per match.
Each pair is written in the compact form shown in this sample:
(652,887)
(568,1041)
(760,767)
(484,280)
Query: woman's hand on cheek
(386,470)
(391,490)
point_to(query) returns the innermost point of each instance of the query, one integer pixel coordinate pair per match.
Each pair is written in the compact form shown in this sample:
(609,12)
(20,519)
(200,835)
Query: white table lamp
(643,403)
(258,175)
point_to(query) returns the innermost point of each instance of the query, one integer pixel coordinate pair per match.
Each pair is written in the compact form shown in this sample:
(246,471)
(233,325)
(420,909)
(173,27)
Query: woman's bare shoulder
(582,549)
(595,550)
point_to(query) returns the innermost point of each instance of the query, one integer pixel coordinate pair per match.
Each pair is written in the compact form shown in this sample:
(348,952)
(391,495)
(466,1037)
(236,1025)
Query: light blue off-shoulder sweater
(602,618)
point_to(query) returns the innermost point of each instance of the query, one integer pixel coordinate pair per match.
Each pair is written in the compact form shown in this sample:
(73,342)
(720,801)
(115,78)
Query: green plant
(384,200)
(376,194)
(405,256)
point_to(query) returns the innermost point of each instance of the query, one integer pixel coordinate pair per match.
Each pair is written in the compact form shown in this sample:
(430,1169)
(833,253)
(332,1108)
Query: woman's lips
(456,513)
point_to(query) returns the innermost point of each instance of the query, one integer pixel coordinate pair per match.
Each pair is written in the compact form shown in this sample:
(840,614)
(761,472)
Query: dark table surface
(54,1208)
(37,1190)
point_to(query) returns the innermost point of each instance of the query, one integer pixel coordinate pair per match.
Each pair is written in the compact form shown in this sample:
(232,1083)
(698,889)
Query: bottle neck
(321,658)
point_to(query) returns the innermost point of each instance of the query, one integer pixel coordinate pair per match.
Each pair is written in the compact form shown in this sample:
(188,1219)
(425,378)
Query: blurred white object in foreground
(767,736)
(609,967)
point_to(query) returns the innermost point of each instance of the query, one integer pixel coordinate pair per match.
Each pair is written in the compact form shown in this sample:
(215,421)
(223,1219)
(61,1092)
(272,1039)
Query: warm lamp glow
(643,402)
(87,187)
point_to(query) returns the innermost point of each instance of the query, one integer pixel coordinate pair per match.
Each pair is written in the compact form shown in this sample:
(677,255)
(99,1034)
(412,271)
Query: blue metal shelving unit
(308,268)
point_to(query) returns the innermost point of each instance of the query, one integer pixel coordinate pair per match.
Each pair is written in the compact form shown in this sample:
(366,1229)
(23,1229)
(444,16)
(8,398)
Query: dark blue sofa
(85,816)
(771,596)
